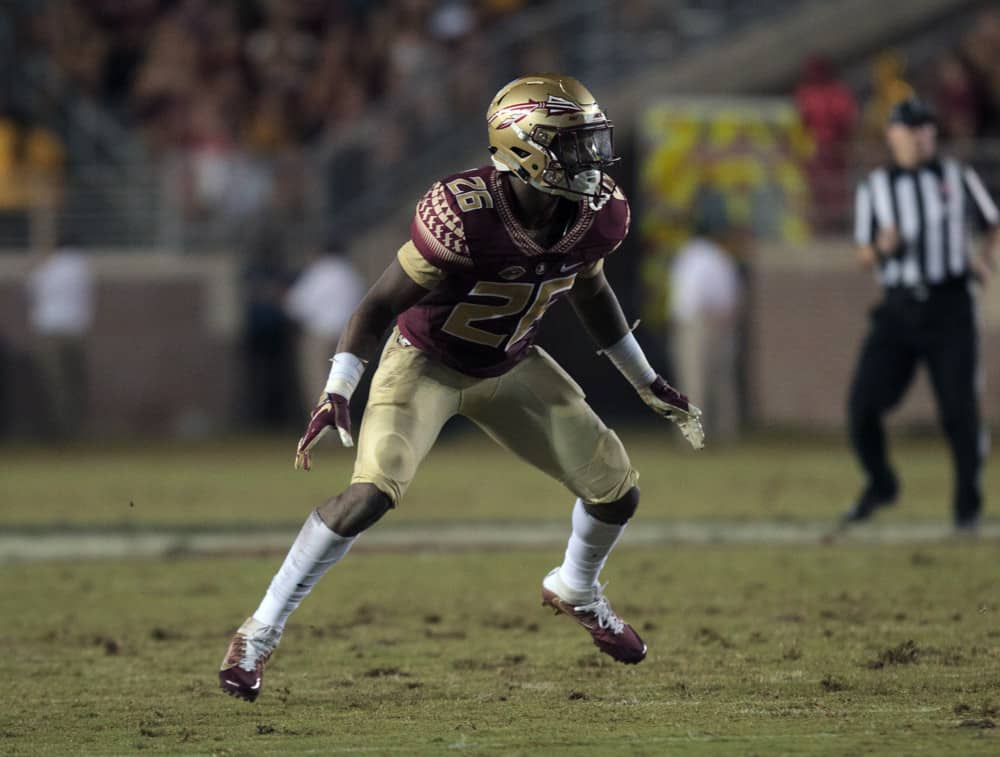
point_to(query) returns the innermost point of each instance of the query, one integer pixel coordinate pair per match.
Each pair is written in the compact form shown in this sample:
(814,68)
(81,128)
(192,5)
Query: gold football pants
(535,410)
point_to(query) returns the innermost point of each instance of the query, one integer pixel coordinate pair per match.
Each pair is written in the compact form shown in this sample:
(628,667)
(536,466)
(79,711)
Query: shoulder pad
(614,219)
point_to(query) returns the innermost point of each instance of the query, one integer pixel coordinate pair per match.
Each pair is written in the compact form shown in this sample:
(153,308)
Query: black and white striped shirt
(930,208)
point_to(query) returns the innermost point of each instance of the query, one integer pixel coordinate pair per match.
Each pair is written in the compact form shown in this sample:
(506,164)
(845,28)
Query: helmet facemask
(577,159)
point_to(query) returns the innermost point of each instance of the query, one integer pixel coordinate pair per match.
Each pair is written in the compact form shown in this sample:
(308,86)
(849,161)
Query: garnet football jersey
(490,282)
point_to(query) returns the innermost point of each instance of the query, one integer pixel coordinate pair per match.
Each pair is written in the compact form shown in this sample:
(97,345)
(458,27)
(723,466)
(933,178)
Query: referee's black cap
(912,112)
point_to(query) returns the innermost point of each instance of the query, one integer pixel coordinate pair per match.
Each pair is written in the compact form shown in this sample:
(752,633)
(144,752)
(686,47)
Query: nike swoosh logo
(255,686)
(566,267)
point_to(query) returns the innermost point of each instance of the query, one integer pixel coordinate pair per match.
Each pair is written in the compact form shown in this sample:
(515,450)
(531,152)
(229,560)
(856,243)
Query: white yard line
(162,542)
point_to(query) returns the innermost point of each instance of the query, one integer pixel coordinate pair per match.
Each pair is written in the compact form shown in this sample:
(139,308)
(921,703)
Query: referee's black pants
(940,330)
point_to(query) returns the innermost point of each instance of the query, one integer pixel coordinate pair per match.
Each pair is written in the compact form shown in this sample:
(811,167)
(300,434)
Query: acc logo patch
(540,268)
(512,272)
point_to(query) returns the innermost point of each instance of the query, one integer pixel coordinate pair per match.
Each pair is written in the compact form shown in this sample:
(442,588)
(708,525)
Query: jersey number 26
(515,300)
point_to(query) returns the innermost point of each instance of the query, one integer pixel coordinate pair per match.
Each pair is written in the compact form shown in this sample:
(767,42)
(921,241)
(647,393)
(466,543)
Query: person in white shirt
(60,292)
(706,295)
(321,301)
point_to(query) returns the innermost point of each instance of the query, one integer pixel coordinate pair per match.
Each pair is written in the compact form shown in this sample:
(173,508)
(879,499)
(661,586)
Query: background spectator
(889,86)
(268,341)
(61,312)
(956,99)
(829,112)
(706,296)
(322,300)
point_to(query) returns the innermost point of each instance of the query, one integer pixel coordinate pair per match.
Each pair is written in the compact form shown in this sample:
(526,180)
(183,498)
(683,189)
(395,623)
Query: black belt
(923,292)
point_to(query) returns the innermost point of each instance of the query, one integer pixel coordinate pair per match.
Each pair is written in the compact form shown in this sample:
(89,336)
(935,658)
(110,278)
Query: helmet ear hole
(520,152)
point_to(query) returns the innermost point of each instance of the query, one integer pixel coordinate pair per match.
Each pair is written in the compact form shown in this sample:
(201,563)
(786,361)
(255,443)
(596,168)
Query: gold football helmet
(549,131)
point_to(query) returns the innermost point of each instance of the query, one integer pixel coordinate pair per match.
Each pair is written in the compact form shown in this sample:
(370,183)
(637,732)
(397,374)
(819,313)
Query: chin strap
(600,203)
(595,202)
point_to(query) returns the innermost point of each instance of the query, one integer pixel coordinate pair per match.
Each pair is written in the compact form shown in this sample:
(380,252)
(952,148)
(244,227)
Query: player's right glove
(333,409)
(674,406)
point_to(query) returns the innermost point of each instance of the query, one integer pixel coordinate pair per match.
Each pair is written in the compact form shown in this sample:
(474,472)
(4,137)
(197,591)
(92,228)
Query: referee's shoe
(872,498)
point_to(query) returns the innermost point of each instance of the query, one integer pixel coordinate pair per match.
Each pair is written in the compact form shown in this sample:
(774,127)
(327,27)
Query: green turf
(764,650)
(465,477)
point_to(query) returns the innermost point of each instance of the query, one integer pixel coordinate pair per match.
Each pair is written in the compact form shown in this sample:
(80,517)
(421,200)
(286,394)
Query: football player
(490,251)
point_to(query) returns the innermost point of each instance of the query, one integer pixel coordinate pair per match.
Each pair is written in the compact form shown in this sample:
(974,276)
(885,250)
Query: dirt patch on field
(385,673)
(513,623)
(111,646)
(983,723)
(791,617)
(905,653)
(922,559)
(706,635)
(832,683)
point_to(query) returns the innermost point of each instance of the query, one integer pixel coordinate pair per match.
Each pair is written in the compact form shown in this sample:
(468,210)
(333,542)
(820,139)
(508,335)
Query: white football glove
(672,405)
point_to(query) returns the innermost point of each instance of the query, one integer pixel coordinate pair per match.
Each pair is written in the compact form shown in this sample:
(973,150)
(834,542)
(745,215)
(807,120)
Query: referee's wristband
(346,371)
(630,360)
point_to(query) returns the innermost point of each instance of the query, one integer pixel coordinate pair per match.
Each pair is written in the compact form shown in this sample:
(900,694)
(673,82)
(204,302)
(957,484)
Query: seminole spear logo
(511,114)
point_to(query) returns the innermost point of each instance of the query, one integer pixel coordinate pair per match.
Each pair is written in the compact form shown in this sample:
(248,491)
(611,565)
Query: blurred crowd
(966,85)
(31,166)
(230,92)
(962,84)
(264,74)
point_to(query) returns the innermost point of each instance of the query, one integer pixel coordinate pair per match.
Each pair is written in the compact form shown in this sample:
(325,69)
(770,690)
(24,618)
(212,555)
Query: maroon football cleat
(243,666)
(611,634)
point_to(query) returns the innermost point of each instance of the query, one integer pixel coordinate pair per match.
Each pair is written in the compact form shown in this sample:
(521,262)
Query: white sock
(316,549)
(588,549)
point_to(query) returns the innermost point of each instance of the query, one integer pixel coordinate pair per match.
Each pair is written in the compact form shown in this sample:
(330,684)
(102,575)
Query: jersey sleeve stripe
(984,203)
(863,215)
(882,199)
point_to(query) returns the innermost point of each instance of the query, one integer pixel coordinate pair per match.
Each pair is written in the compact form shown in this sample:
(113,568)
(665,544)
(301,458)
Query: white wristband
(345,373)
(629,358)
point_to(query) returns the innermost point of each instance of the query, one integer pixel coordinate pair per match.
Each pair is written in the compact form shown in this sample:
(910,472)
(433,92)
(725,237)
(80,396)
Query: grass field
(752,650)
(843,648)
(466,476)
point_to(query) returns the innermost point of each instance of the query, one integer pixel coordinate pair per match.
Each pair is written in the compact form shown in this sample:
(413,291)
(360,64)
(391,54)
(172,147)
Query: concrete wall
(161,357)
(164,354)
(809,318)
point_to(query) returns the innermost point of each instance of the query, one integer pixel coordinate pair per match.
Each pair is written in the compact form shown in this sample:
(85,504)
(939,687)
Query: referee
(912,226)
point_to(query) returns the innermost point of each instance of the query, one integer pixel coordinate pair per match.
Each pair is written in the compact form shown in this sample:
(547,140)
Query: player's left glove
(674,406)
(333,409)
(629,358)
